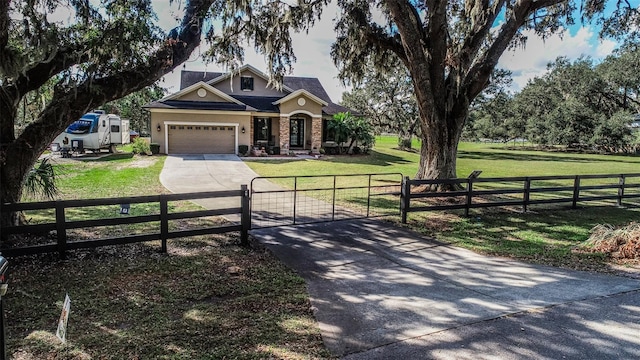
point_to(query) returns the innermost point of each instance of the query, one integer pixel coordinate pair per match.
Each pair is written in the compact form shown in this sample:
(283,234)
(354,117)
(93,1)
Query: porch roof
(195,105)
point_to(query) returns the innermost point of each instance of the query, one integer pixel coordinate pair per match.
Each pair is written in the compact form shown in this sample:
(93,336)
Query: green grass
(113,175)
(546,234)
(493,159)
(207,298)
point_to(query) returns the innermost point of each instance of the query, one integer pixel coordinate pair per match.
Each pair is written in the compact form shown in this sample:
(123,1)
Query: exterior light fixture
(158,128)
(243,130)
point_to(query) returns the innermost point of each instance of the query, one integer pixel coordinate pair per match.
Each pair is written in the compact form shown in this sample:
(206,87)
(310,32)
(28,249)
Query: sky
(312,51)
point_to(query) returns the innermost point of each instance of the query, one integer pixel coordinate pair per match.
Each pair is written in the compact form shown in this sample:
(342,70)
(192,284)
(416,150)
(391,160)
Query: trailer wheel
(112,148)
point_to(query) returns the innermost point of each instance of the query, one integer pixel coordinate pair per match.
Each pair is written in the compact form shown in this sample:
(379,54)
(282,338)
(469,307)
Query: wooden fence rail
(526,190)
(61,225)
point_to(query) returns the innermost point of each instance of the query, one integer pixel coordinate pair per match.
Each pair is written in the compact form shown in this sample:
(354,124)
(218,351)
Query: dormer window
(246,83)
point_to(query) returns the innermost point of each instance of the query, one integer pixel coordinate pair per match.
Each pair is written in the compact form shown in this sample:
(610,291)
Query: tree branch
(97,91)
(376,35)
(478,75)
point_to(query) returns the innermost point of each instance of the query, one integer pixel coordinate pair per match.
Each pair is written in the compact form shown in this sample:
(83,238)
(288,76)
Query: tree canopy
(450,49)
(56,68)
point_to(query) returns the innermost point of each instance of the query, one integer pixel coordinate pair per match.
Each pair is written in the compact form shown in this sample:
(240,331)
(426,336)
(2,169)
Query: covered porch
(279,135)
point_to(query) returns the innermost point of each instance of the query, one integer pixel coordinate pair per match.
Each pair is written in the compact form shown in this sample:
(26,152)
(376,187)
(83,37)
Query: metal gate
(293,200)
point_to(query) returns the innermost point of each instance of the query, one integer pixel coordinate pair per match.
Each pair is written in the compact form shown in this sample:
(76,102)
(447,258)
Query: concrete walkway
(383,292)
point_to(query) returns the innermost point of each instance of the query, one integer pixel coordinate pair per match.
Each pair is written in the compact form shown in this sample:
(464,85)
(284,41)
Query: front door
(296,132)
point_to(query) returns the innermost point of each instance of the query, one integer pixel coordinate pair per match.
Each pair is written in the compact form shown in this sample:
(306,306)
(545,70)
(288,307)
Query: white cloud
(531,61)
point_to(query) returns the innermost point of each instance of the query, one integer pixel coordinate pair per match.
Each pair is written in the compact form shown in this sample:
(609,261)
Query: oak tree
(450,49)
(87,53)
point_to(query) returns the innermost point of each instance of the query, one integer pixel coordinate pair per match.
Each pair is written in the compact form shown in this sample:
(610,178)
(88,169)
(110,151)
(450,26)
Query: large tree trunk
(439,150)
(19,154)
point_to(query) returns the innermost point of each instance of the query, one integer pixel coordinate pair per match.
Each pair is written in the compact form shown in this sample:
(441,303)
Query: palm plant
(41,181)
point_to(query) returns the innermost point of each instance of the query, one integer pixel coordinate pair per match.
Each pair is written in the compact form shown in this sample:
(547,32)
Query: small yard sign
(124,209)
(61,333)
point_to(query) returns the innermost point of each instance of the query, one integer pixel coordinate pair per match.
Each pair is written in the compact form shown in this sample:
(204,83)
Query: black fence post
(527,194)
(333,200)
(405,198)
(295,197)
(620,189)
(61,230)
(369,195)
(469,196)
(576,192)
(164,222)
(245,217)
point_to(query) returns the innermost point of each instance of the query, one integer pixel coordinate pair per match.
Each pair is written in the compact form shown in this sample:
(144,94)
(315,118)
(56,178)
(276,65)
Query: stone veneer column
(316,134)
(284,135)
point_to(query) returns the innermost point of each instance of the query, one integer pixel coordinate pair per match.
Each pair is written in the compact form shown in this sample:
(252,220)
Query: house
(217,112)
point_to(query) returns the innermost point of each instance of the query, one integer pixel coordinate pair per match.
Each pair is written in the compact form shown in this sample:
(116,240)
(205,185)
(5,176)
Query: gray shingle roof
(260,103)
(264,104)
(188,78)
(195,105)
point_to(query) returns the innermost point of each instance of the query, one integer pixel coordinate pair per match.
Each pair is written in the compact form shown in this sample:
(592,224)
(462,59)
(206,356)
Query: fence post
(576,192)
(369,196)
(469,196)
(527,194)
(61,230)
(164,222)
(333,200)
(245,217)
(405,198)
(295,196)
(620,189)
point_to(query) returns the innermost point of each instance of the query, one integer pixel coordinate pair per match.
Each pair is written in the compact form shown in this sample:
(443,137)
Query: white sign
(64,317)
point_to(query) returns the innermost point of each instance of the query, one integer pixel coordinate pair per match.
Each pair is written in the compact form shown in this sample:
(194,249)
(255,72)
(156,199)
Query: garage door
(192,139)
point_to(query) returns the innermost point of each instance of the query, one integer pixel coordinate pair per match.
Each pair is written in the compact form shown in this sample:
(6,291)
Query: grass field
(545,234)
(493,159)
(207,298)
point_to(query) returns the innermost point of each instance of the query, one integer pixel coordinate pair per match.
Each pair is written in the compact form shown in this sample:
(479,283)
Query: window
(180,127)
(172,127)
(327,133)
(198,128)
(214,128)
(115,128)
(261,129)
(246,83)
(189,127)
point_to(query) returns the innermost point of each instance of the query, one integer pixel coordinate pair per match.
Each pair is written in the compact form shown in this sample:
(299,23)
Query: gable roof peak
(240,70)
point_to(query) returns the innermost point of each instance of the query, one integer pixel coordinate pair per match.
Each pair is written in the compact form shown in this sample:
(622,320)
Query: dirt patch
(139,161)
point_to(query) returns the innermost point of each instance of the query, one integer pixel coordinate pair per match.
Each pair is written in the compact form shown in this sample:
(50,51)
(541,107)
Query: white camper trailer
(94,131)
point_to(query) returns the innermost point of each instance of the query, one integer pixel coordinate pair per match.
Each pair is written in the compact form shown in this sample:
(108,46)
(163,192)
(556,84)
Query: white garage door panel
(192,139)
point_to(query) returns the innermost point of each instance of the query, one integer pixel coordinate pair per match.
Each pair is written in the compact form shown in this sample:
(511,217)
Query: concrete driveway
(383,292)
(197,173)
(207,172)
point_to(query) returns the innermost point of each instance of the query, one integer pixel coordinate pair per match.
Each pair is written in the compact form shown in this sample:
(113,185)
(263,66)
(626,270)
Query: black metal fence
(162,216)
(293,200)
(517,191)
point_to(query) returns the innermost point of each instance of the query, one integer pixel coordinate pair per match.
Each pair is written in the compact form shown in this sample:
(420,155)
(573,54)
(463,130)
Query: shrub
(356,150)
(155,148)
(141,146)
(243,150)
(41,181)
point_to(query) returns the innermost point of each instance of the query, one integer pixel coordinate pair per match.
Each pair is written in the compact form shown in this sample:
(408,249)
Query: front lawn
(207,298)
